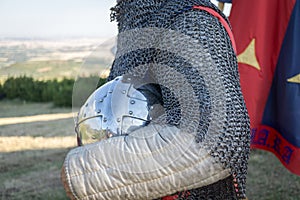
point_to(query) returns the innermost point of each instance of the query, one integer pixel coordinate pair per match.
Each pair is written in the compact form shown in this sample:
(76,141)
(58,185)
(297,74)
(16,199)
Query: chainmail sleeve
(182,28)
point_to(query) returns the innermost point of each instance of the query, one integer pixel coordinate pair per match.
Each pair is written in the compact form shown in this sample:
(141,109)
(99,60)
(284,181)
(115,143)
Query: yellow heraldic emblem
(295,79)
(248,56)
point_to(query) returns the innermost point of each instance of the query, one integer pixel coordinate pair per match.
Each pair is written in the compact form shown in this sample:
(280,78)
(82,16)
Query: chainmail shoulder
(229,139)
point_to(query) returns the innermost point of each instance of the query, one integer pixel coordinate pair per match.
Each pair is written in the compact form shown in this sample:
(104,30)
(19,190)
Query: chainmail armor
(231,145)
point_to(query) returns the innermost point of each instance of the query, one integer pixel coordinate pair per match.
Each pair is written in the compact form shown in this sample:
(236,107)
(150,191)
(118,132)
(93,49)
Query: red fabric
(177,196)
(267,138)
(271,101)
(265,21)
(222,20)
(170,197)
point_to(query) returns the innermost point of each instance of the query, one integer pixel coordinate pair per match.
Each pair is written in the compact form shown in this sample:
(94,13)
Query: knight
(171,122)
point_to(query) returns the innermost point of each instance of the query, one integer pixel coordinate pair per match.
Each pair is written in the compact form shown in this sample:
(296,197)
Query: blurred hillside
(54,58)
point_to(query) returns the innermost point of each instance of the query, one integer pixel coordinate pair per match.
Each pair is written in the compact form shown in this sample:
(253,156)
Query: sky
(57,18)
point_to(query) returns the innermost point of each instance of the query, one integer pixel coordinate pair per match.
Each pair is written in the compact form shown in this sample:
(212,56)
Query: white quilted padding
(152,162)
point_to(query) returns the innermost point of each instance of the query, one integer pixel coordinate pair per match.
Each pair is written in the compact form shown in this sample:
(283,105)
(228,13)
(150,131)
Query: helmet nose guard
(116,108)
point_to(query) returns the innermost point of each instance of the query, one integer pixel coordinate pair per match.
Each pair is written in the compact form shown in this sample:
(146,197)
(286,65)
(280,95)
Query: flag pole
(221,6)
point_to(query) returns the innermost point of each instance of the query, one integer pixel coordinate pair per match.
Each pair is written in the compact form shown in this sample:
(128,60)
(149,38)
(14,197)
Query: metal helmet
(117,108)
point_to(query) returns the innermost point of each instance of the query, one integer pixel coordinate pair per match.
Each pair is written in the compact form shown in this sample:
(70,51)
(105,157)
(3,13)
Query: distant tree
(10,88)
(2,93)
(63,95)
(58,92)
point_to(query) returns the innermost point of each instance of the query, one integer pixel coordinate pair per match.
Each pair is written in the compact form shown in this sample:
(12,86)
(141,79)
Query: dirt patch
(44,69)
(35,118)
(22,143)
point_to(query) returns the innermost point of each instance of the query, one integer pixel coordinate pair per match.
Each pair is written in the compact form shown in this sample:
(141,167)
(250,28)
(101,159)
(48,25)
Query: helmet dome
(117,108)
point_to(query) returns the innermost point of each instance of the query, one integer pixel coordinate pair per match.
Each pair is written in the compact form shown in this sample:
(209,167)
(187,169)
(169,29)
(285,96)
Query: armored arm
(204,119)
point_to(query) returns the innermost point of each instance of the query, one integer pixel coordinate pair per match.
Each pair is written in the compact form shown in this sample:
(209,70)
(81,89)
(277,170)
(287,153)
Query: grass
(49,70)
(268,179)
(17,108)
(35,174)
(45,69)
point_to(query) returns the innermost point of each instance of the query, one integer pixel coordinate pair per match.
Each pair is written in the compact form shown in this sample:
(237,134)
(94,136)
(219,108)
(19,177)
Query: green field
(17,108)
(42,69)
(35,173)
(49,70)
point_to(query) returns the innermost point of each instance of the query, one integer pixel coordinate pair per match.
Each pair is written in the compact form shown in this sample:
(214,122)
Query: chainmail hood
(228,141)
